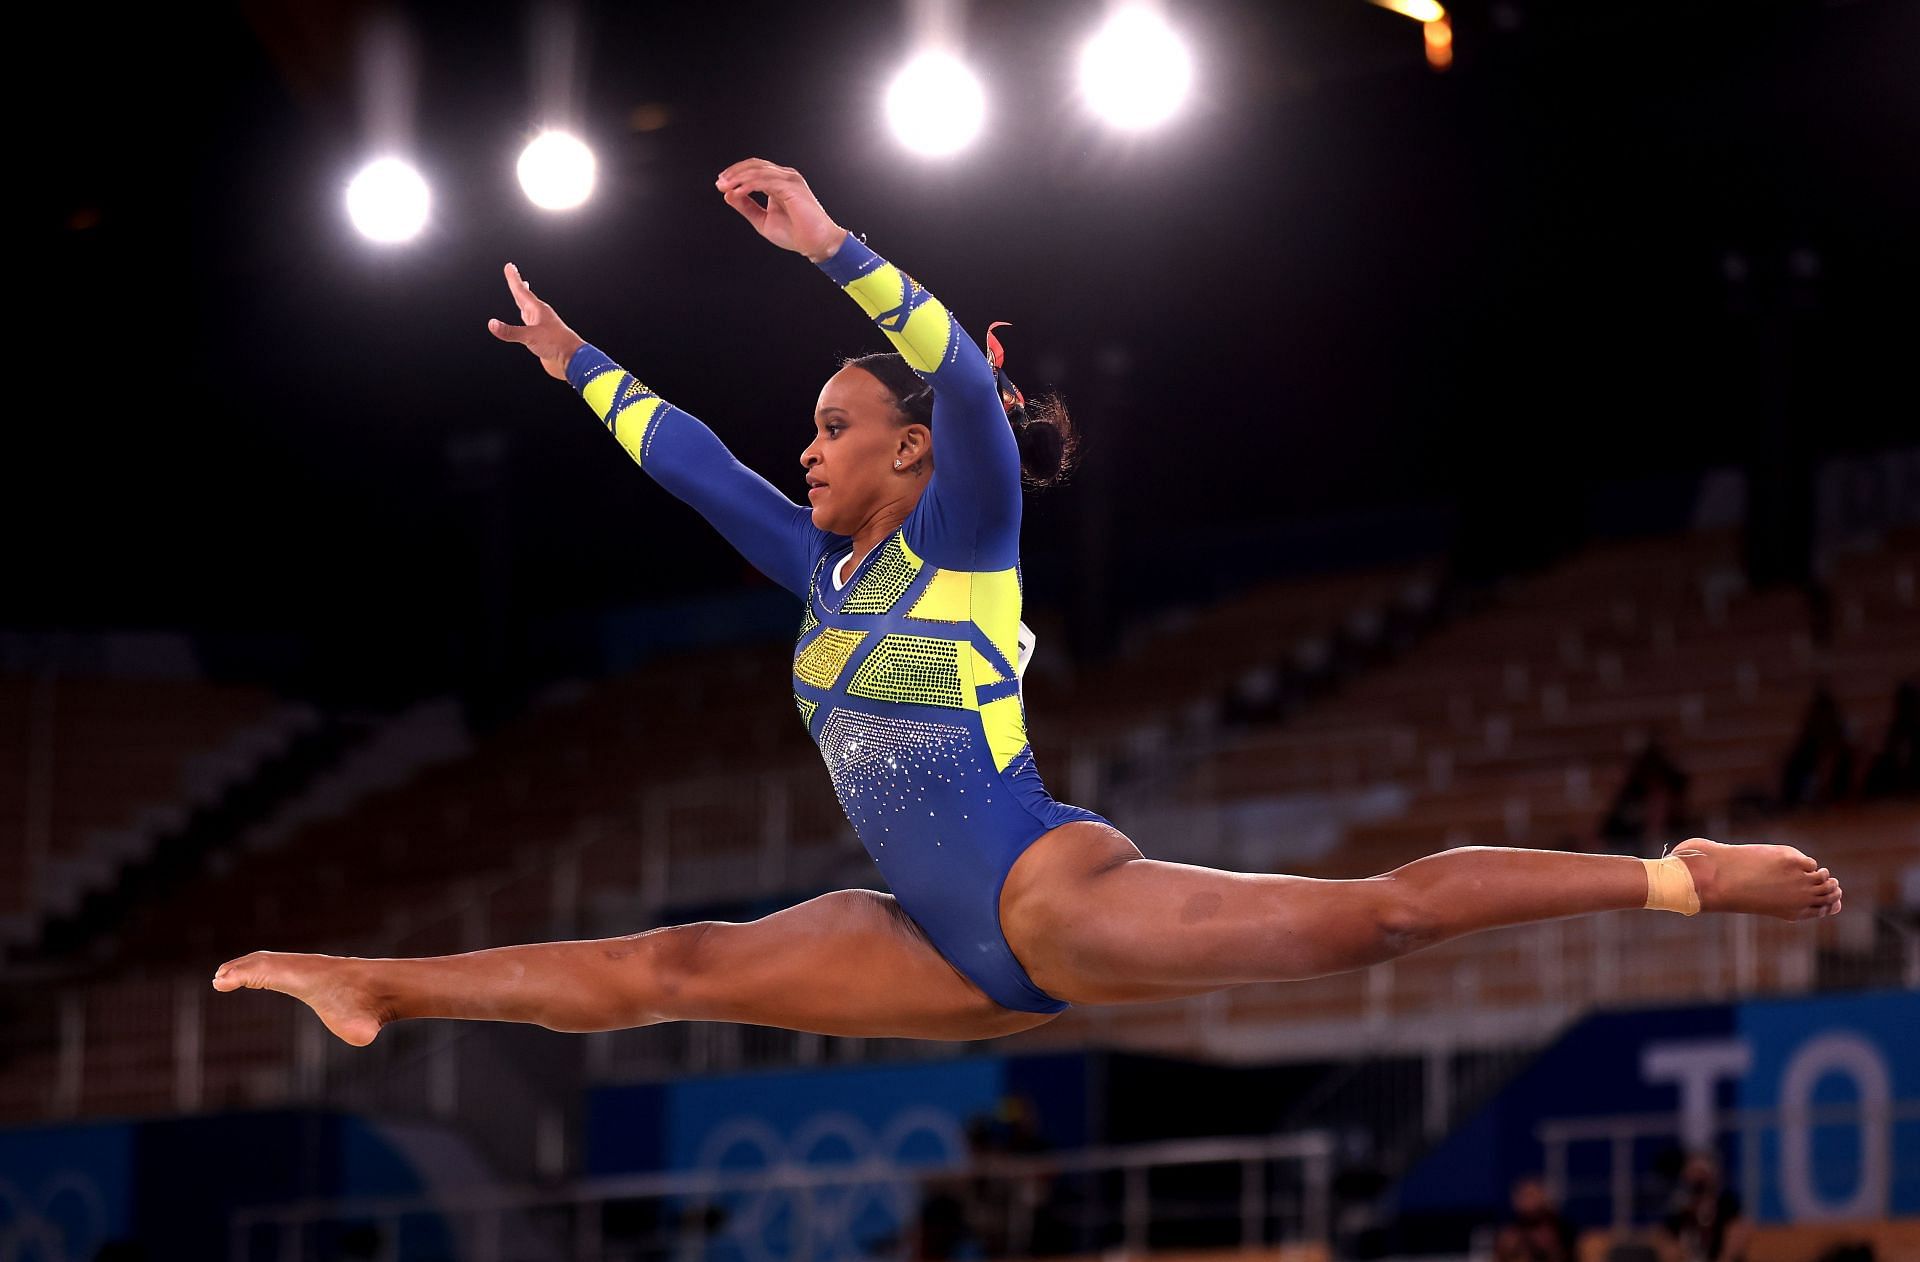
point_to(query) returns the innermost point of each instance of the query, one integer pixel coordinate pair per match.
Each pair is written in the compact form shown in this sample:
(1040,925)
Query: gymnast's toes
(250,971)
(324,983)
(1760,880)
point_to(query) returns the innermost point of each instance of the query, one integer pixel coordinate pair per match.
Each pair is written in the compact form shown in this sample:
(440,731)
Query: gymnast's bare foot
(329,984)
(1776,881)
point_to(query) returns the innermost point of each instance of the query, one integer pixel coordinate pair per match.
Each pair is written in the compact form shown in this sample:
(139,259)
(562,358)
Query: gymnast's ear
(913,443)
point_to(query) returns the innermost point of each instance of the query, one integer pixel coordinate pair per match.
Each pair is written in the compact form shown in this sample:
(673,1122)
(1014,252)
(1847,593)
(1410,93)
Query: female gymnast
(1006,905)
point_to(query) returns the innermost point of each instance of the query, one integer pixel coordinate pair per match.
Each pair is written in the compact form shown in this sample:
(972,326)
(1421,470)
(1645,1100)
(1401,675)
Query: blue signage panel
(1821,1093)
(65,1191)
(1836,1070)
(902,1115)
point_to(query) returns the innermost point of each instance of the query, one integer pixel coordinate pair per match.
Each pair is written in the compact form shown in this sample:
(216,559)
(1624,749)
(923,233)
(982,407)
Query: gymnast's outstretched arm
(969,515)
(774,533)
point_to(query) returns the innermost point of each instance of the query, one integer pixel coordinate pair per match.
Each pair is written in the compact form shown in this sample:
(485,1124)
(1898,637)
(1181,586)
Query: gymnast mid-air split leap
(1006,905)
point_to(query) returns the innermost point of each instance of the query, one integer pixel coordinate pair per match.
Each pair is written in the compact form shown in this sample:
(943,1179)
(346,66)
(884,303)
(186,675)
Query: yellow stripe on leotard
(946,598)
(821,662)
(928,330)
(996,609)
(1005,723)
(599,392)
(631,406)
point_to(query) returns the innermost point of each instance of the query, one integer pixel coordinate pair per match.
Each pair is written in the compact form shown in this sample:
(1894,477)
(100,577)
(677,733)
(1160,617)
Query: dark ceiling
(1340,282)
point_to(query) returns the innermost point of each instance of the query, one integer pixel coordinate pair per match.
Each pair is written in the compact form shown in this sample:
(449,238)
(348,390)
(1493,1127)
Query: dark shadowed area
(1612,242)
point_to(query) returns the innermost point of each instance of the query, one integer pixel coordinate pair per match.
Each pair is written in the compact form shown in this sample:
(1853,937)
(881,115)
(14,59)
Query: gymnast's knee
(1405,915)
(659,978)
(682,962)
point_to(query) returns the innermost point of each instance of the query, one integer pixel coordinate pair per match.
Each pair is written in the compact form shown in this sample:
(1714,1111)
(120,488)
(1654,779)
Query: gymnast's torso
(907,675)
(907,680)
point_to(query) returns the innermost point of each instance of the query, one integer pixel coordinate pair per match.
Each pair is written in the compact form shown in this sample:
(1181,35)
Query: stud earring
(896,464)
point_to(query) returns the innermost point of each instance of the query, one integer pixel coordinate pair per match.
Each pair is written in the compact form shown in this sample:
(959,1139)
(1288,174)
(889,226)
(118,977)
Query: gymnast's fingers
(523,296)
(744,169)
(518,333)
(758,175)
(742,200)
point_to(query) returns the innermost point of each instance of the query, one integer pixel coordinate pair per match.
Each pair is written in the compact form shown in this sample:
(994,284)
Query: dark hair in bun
(1049,443)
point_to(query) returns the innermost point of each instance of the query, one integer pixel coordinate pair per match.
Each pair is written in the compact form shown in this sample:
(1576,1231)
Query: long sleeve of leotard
(771,531)
(968,518)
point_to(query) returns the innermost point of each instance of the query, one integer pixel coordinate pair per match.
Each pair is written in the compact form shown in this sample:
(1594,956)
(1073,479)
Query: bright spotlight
(556,170)
(1136,70)
(387,201)
(935,105)
(1434,25)
(1418,10)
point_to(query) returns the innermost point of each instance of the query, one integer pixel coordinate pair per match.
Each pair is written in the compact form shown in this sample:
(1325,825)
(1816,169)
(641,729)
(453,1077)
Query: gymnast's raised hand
(792,218)
(541,330)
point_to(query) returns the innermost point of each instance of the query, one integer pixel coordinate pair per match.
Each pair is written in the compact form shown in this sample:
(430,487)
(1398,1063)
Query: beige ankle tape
(1670,886)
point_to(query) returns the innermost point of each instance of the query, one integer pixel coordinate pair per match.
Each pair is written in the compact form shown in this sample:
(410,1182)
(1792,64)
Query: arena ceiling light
(387,201)
(1418,10)
(935,105)
(556,171)
(1135,72)
(1435,26)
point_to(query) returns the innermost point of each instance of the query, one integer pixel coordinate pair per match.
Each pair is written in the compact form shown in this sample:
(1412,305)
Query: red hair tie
(1010,396)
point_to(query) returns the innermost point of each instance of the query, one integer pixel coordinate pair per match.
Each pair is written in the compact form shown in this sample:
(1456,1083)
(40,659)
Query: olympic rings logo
(770,1224)
(31,1227)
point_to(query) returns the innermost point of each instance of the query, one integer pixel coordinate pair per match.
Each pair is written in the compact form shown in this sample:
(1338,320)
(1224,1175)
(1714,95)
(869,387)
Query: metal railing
(1630,1194)
(1280,1191)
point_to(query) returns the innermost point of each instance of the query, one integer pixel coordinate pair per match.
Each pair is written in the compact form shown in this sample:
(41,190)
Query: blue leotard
(906,677)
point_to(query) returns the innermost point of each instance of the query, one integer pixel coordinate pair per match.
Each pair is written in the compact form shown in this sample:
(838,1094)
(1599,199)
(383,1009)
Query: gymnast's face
(857,436)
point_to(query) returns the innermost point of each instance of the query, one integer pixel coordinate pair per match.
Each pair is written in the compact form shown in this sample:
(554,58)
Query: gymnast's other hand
(792,218)
(540,330)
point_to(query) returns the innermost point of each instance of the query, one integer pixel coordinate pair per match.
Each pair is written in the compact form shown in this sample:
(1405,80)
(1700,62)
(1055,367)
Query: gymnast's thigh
(850,963)
(1093,921)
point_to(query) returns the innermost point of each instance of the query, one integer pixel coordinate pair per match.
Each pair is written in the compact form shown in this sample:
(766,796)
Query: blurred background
(1500,430)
